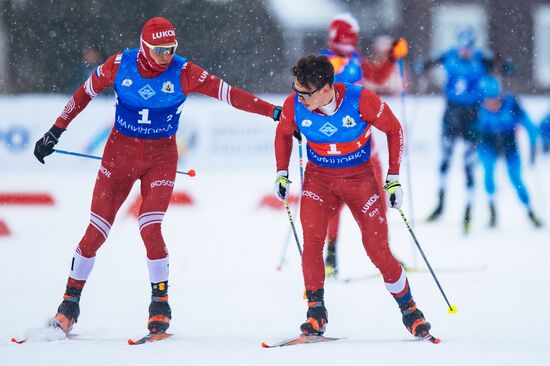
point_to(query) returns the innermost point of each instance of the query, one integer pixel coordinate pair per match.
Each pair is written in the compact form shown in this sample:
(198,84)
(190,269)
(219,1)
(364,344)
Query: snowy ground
(227,296)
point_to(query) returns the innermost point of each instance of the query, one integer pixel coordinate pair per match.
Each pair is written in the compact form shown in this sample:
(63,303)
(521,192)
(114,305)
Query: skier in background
(352,67)
(337,120)
(151,84)
(545,134)
(465,66)
(499,116)
(382,46)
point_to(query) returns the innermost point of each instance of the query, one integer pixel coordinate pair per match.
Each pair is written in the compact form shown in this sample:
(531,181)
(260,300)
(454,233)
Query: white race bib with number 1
(144,117)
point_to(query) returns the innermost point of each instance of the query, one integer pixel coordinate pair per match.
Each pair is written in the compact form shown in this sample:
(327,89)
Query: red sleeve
(377,73)
(283,134)
(100,79)
(378,113)
(194,79)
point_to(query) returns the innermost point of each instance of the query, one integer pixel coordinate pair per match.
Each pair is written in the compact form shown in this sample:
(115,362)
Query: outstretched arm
(194,79)
(525,121)
(379,73)
(101,78)
(422,67)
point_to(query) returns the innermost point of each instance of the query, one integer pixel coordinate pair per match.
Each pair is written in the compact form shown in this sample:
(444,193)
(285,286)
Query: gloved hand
(44,146)
(282,184)
(277,113)
(394,195)
(399,49)
(298,135)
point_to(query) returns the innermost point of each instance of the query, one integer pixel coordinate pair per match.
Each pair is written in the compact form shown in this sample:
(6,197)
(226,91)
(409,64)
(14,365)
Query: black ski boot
(414,320)
(534,220)
(317,316)
(467,220)
(331,268)
(68,311)
(160,313)
(436,214)
(493,212)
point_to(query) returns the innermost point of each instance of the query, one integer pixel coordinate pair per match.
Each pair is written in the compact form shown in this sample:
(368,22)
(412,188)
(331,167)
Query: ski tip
(131,342)
(265,345)
(430,338)
(18,341)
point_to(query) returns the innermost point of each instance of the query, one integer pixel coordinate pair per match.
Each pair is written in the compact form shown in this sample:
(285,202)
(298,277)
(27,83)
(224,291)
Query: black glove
(298,135)
(44,146)
(277,113)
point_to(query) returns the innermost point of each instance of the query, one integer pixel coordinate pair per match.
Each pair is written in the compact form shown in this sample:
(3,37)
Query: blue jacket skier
(499,116)
(465,66)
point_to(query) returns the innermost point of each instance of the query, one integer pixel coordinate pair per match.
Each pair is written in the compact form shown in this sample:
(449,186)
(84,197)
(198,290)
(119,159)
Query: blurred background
(50,46)
(225,230)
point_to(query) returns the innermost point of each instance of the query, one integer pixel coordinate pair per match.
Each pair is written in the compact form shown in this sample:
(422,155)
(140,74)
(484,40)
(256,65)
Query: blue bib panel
(346,69)
(463,77)
(148,108)
(500,122)
(344,126)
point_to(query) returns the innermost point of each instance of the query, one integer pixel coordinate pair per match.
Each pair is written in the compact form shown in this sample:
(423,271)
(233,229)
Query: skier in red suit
(336,119)
(151,85)
(352,67)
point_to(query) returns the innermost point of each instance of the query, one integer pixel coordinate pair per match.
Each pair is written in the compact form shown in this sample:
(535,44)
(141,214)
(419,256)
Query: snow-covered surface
(227,296)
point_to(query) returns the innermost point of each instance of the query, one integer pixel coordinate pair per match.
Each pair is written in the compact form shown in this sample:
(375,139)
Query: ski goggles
(305,95)
(162,50)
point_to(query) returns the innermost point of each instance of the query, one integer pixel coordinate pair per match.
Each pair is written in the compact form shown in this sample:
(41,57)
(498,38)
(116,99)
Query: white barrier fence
(211,134)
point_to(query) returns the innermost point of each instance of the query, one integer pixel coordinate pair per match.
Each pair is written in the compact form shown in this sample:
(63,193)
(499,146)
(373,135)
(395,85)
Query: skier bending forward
(337,120)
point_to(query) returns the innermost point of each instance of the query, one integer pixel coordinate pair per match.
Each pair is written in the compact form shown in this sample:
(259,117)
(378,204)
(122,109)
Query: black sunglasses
(305,95)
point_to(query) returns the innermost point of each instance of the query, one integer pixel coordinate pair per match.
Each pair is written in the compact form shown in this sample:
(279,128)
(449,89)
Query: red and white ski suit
(326,188)
(152,161)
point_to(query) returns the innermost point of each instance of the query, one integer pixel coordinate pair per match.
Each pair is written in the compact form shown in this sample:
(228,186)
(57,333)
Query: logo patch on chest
(127,82)
(146,92)
(306,123)
(168,87)
(348,121)
(328,129)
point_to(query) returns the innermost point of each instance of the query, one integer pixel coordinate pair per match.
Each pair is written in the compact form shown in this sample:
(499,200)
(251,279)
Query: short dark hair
(314,71)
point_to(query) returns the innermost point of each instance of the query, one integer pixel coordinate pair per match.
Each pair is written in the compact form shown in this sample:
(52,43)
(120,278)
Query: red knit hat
(343,31)
(156,31)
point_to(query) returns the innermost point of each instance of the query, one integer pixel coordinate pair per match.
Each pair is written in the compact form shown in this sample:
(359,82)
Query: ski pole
(190,172)
(452,308)
(301,156)
(293,227)
(298,136)
(406,147)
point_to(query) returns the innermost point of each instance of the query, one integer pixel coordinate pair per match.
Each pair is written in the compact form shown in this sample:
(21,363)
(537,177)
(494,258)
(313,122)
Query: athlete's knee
(381,256)
(96,234)
(150,231)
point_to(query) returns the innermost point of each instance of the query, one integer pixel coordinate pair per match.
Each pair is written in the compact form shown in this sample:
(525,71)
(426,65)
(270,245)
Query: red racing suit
(326,188)
(151,160)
